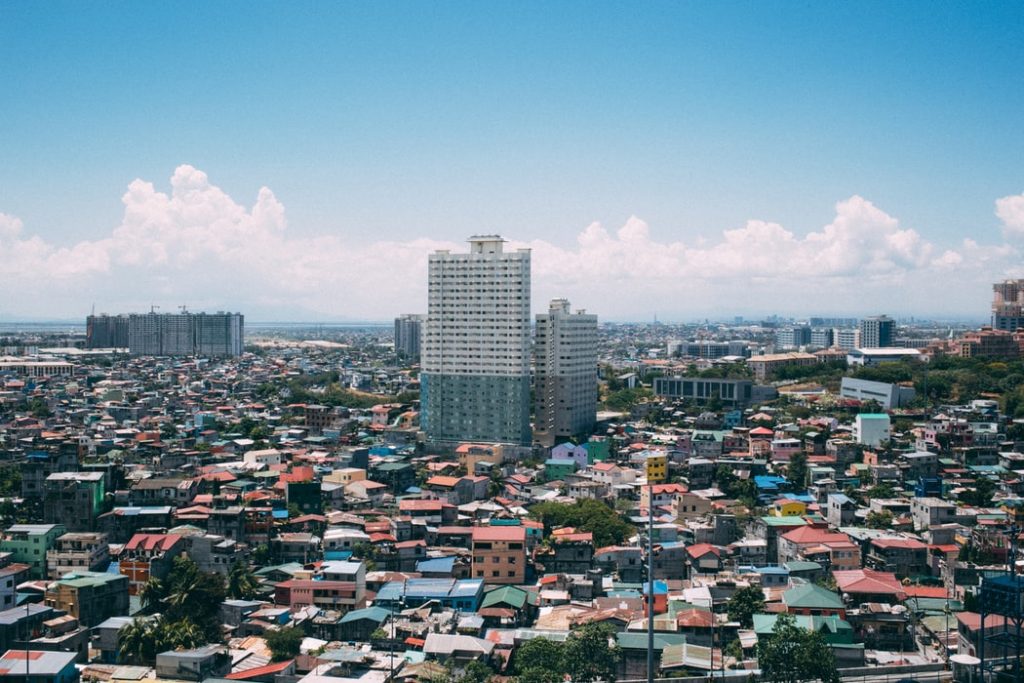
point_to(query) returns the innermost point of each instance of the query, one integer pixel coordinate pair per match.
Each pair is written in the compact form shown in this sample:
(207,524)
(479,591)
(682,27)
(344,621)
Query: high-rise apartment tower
(407,336)
(877,332)
(565,371)
(1008,305)
(475,354)
(186,334)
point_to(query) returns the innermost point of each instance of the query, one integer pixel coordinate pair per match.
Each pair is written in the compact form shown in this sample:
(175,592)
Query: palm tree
(184,634)
(132,642)
(152,595)
(242,583)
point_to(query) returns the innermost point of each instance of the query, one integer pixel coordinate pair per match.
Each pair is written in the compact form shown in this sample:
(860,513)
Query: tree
(590,515)
(980,494)
(879,519)
(744,604)
(591,654)
(796,471)
(133,642)
(793,654)
(242,583)
(883,490)
(538,660)
(152,595)
(475,672)
(284,642)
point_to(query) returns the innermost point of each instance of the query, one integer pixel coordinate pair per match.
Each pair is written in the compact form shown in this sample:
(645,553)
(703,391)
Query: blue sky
(421,123)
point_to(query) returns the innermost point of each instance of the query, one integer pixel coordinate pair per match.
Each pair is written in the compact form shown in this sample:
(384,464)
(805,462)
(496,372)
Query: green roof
(812,596)
(791,520)
(802,566)
(833,628)
(637,640)
(506,595)
(375,614)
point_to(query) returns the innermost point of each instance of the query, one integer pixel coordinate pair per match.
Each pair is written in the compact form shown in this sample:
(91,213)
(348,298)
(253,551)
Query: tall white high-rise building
(565,371)
(475,347)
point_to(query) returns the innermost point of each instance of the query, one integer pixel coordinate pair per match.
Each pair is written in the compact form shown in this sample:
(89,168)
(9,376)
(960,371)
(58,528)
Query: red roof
(499,533)
(258,671)
(811,534)
(906,543)
(925,591)
(701,549)
(152,542)
(972,620)
(868,581)
(418,504)
(447,482)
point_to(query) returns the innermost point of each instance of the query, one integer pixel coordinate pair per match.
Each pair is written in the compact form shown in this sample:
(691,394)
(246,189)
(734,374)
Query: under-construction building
(186,334)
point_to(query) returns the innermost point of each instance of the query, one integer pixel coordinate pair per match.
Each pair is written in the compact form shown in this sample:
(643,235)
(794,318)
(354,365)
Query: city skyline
(684,161)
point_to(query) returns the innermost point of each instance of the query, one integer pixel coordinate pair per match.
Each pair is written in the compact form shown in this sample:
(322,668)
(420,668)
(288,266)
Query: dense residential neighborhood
(281,516)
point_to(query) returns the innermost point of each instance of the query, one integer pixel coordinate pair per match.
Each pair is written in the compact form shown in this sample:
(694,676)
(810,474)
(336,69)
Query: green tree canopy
(585,515)
(879,519)
(744,604)
(793,654)
(589,654)
(796,470)
(284,642)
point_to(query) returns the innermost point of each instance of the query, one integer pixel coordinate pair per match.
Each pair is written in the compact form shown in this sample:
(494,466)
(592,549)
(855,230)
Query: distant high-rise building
(1008,305)
(793,337)
(408,328)
(847,340)
(106,331)
(565,367)
(821,338)
(186,334)
(475,355)
(876,332)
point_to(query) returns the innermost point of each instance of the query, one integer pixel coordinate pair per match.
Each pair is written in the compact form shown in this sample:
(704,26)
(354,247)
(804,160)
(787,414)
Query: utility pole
(650,583)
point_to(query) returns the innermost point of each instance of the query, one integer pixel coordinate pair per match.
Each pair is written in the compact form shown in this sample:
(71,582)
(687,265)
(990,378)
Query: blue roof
(436,565)
(771,570)
(768,481)
(431,589)
(279,514)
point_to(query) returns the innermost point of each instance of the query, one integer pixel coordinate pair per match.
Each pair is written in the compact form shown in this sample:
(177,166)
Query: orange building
(148,555)
(499,554)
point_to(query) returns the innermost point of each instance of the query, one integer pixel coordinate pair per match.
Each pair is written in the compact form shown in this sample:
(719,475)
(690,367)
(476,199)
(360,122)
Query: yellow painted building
(785,507)
(656,467)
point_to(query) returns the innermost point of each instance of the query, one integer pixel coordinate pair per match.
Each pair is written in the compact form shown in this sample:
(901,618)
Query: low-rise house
(626,561)
(147,555)
(38,666)
(868,585)
(29,543)
(76,552)
(90,597)
(841,510)
(929,512)
(904,557)
(208,661)
(812,600)
(463,595)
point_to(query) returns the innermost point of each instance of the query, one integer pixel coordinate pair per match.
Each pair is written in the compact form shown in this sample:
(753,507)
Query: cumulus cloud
(197,245)
(1011,212)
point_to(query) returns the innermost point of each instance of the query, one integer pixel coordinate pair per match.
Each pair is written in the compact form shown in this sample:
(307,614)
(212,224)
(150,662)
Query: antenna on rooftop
(152,308)
(183,308)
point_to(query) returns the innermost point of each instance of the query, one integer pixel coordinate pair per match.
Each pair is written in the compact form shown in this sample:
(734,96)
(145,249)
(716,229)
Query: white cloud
(197,245)
(1011,212)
